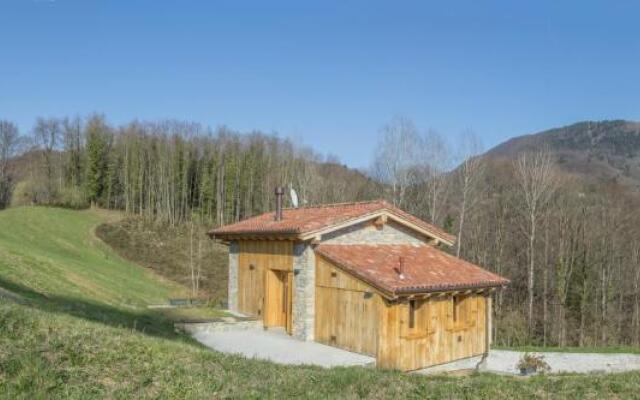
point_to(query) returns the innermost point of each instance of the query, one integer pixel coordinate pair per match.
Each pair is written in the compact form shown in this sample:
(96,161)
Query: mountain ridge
(597,151)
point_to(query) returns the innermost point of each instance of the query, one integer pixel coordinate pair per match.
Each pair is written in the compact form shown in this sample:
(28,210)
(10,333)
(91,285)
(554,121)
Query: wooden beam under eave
(380,221)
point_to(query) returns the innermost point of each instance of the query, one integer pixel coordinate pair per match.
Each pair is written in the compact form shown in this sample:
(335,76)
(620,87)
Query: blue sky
(327,74)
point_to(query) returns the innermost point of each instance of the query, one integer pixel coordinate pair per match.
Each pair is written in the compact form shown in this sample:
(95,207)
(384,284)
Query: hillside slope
(55,253)
(167,251)
(599,152)
(74,326)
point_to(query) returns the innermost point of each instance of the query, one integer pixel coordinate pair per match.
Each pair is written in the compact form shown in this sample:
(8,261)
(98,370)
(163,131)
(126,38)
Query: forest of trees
(171,171)
(570,249)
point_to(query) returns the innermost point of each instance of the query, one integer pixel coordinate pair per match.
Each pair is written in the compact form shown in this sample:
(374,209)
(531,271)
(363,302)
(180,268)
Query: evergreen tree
(97,146)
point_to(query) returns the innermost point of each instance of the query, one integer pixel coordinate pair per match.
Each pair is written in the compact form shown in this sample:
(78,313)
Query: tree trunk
(532,237)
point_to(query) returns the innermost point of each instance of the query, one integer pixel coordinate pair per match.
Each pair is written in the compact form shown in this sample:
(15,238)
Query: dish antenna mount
(294,197)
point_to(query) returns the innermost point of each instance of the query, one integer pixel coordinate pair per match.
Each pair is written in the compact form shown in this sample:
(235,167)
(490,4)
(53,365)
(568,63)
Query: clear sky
(328,75)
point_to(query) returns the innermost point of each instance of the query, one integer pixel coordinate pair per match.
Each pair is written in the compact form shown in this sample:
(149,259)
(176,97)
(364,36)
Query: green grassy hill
(74,324)
(55,253)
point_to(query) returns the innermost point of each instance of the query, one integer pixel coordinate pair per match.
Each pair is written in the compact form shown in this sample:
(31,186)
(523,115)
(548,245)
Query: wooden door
(278,299)
(250,294)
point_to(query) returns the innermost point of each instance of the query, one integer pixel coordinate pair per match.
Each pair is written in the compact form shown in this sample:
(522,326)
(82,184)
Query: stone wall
(304,282)
(368,233)
(233,277)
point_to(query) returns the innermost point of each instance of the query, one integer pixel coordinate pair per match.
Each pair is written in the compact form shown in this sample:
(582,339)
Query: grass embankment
(52,258)
(84,332)
(167,250)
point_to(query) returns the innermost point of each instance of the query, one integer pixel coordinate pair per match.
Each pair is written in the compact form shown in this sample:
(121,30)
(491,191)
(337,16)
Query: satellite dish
(294,197)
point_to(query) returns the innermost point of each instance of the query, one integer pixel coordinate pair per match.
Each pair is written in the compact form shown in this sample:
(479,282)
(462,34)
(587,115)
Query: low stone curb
(218,326)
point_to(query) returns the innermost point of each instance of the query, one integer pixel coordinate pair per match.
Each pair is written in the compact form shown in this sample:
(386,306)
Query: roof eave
(446,289)
(265,235)
(394,294)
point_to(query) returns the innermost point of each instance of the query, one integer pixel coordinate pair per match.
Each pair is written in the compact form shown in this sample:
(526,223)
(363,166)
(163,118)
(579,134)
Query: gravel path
(504,362)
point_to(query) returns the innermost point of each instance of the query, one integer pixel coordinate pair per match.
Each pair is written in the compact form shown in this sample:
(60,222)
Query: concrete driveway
(277,346)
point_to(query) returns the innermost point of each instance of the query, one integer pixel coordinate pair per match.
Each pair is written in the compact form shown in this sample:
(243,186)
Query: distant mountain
(600,152)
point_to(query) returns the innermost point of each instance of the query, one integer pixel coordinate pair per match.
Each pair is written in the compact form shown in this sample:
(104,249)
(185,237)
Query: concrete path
(250,340)
(504,362)
(276,346)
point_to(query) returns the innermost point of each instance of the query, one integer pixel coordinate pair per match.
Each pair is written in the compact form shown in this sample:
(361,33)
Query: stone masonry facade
(368,233)
(304,283)
(233,277)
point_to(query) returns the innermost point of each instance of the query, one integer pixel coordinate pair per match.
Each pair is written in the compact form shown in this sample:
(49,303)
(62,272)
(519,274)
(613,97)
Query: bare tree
(9,142)
(469,176)
(436,161)
(192,267)
(537,183)
(396,156)
(47,133)
(635,264)
(72,137)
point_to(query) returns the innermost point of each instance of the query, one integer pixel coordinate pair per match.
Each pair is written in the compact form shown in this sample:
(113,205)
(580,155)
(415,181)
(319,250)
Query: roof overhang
(316,234)
(415,292)
(229,237)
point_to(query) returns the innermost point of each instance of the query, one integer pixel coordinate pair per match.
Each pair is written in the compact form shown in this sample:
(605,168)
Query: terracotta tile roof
(304,220)
(426,269)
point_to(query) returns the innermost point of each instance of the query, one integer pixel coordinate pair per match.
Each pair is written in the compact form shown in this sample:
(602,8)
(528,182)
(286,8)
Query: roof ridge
(343,204)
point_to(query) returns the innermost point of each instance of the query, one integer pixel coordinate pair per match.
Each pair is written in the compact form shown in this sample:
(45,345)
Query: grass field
(82,330)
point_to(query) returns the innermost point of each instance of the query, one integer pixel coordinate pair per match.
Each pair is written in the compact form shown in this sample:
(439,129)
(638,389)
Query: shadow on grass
(149,322)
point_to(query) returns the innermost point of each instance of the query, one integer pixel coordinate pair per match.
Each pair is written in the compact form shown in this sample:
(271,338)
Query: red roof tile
(426,269)
(304,220)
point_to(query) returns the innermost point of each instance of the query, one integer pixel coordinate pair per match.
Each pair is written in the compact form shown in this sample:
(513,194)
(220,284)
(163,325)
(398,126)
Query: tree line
(571,249)
(170,171)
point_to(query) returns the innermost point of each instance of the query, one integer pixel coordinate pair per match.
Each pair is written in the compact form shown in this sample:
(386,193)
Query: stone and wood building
(366,277)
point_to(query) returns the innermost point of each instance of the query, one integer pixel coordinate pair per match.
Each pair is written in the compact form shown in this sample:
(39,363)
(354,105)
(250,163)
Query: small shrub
(73,198)
(34,192)
(24,193)
(533,363)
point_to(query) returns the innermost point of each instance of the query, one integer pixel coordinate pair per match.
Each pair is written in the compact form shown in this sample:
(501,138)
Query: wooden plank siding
(346,310)
(437,338)
(352,315)
(255,261)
